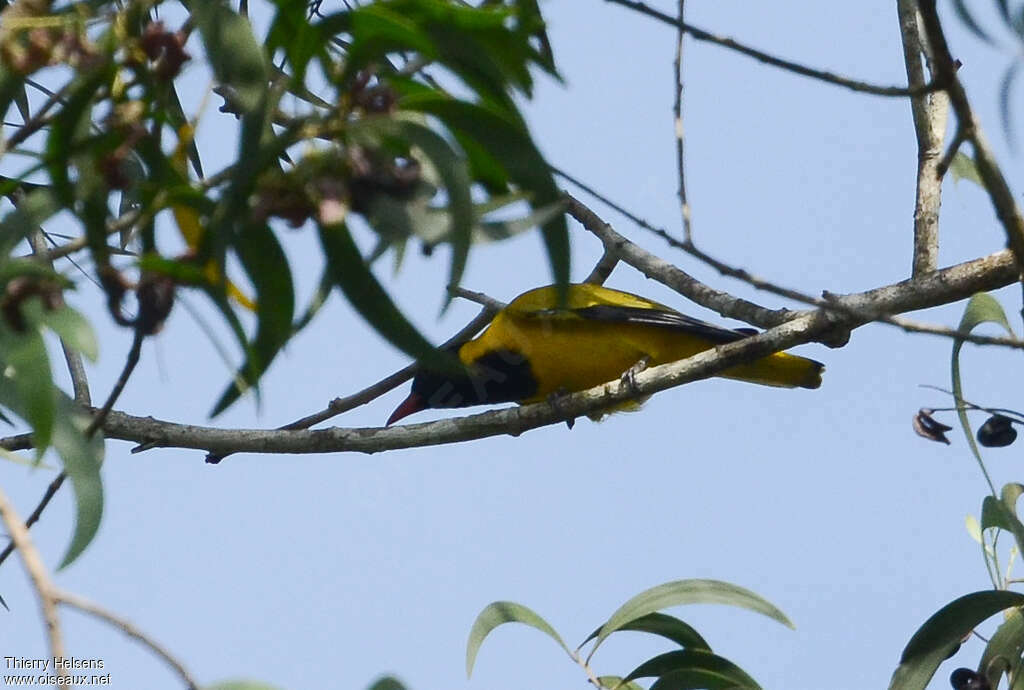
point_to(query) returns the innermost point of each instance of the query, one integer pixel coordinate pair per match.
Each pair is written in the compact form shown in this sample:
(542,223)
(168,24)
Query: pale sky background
(326,571)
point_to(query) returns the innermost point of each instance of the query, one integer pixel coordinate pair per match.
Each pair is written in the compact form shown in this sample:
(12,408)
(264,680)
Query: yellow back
(569,353)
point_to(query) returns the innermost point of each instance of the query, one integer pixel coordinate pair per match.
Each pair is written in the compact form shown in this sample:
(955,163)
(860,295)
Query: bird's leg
(629,376)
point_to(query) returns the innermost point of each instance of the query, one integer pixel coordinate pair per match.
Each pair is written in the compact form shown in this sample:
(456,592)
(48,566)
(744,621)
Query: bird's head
(499,376)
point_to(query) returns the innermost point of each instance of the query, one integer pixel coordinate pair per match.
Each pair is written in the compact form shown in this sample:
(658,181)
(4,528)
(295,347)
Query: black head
(499,376)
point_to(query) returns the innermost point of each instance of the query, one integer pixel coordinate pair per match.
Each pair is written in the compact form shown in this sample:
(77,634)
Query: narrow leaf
(73,328)
(267,267)
(1003,651)
(27,369)
(82,457)
(616,683)
(235,55)
(933,641)
(687,592)
(981,308)
(663,625)
(968,19)
(241,685)
(360,286)
(963,167)
(702,667)
(499,613)
(387,683)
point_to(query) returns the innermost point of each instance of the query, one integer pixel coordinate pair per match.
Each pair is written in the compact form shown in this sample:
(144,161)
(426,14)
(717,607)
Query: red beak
(414,403)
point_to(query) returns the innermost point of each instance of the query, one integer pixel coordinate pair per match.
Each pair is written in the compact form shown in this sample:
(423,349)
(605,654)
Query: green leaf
(664,625)
(292,32)
(687,592)
(360,286)
(995,514)
(241,685)
(267,267)
(505,139)
(499,613)
(963,167)
(968,19)
(1004,648)
(1005,99)
(36,207)
(235,55)
(27,369)
(73,328)
(450,167)
(82,457)
(1009,495)
(21,100)
(609,682)
(697,678)
(694,669)
(933,641)
(387,683)
(981,308)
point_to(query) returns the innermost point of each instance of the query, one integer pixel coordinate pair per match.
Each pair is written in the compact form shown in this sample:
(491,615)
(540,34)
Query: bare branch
(129,629)
(677,109)
(930,112)
(945,70)
(37,573)
(822,75)
(941,287)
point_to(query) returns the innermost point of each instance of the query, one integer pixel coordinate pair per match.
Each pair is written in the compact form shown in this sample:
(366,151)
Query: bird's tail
(780,369)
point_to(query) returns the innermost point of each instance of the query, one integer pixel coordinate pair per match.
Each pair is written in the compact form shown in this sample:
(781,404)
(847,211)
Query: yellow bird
(535,348)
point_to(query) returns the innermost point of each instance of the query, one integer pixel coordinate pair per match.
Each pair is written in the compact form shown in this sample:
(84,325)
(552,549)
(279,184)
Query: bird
(538,347)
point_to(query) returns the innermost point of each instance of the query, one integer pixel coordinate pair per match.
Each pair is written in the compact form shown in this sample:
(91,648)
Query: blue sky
(325,571)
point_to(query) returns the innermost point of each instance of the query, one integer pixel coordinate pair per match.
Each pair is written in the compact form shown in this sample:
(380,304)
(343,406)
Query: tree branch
(129,629)
(930,112)
(677,109)
(822,75)
(941,287)
(945,69)
(38,575)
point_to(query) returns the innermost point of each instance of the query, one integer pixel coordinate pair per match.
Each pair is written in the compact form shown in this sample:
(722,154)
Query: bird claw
(628,377)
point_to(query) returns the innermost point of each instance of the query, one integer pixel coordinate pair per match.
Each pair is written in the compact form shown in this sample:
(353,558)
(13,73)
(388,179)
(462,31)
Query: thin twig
(822,75)
(129,366)
(129,629)
(34,123)
(677,109)
(954,147)
(478,297)
(22,541)
(930,112)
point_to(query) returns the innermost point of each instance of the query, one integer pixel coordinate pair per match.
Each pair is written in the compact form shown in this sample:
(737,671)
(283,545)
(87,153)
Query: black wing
(663,319)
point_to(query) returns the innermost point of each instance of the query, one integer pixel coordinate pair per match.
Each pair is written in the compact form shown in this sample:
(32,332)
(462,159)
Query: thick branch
(930,112)
(945,69)
(941,287)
